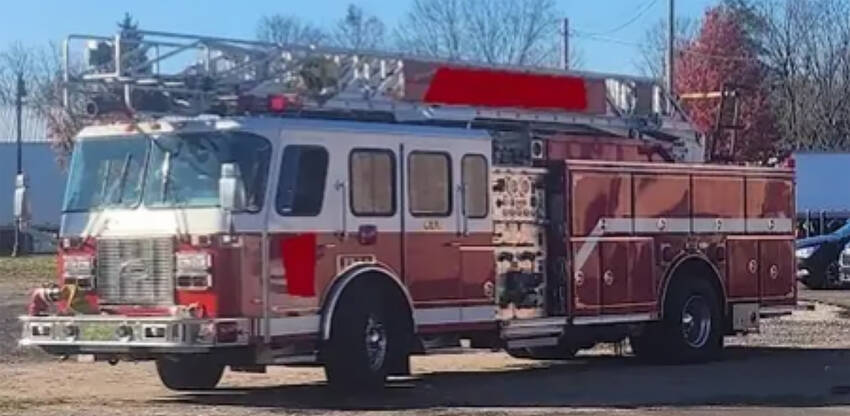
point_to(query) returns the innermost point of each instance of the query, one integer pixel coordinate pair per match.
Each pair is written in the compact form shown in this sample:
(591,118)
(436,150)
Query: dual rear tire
(692,328)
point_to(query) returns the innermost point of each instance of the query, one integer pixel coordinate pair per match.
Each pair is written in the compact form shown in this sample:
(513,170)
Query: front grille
(135,271)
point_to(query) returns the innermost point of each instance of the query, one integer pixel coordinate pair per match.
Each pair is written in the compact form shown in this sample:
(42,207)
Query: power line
(602,38)
(641,11)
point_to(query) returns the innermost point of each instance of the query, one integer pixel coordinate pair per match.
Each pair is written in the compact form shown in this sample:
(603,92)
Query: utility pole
(671,32)
(20,92)
(565,44)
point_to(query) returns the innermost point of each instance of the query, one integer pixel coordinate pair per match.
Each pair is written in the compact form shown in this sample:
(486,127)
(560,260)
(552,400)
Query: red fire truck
(272,204)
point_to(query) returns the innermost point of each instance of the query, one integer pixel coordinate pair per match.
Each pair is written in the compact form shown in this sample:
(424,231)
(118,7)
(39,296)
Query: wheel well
(694,267)
(359,281)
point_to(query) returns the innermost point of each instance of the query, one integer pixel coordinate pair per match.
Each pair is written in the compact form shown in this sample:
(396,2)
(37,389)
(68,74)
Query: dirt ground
(797,365)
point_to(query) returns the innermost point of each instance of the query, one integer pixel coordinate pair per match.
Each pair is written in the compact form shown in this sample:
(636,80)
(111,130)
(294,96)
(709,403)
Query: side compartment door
(476,233)
(431,221)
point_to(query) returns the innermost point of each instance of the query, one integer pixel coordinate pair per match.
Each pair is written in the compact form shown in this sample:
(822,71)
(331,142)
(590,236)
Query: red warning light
(277,103)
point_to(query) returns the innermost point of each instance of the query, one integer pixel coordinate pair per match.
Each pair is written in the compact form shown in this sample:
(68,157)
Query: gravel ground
(797,365)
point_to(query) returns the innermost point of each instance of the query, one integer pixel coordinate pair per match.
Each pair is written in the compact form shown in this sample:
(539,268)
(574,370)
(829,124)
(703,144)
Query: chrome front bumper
(97,333)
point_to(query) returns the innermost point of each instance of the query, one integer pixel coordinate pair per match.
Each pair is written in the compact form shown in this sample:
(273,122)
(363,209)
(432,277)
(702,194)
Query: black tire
(826,278)
(370,338)
(189,372)
(692,328)
(646,345)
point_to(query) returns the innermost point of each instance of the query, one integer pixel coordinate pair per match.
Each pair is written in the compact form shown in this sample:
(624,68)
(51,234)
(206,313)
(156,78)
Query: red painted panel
(566,147)
(776,269)
(769,197)
(477,267)
(615,277)
(716,196)
(586,282)
(485,87)
(433,266)
(742,269)
(599,195)
(642,285)
(662,195)
(299,262)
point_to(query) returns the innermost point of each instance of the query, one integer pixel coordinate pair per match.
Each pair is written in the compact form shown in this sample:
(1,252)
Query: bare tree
(41,68)
(653,49)
(358,31)
(805,45)
(519,32)
(289,30)
(433,28)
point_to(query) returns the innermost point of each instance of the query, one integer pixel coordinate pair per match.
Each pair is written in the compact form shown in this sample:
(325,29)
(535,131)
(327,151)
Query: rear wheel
(189,372)
(369,339)
(691,330)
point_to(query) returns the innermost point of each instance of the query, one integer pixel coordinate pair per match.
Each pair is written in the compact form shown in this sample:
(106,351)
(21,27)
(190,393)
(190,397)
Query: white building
(46,178)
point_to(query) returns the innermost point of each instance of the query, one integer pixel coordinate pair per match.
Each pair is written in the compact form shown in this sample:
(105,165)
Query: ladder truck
(242,204)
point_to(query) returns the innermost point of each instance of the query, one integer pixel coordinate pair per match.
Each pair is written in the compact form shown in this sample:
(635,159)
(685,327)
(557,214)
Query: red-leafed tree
(721,54)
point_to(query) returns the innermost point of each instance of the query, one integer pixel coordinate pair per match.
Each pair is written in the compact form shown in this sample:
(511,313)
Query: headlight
(78,269)
(78,265)
(805,252)
(193,270)
(193,261)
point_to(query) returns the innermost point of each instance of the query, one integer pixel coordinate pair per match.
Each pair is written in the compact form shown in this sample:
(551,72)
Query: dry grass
(18,273)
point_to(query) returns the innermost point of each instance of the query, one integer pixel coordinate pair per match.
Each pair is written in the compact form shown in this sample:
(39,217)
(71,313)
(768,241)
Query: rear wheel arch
(694,267)
(354,280)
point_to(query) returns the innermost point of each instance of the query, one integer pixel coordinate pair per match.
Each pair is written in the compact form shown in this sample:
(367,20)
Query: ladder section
(727,124)
(149,73)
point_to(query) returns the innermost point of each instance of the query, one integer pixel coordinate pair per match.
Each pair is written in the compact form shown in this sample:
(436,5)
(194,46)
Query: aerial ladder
(150,74)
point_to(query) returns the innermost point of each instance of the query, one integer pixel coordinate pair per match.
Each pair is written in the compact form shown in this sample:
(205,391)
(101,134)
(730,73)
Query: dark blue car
(823,262)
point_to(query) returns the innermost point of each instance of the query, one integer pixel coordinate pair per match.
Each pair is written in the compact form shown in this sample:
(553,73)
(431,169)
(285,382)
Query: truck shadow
(784,377)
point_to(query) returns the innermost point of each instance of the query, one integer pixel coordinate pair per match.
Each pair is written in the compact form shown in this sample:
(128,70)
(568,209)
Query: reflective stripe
(295,325)
(662,225)
(454,315)
(770,225)
(307,325)
(613,319)
(719,225)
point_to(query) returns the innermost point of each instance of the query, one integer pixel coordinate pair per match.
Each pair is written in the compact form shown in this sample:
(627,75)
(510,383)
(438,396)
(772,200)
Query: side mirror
(21,200)
(231,190)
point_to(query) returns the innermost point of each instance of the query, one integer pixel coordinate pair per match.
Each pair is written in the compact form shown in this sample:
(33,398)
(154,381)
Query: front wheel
(369,339)
(189,372)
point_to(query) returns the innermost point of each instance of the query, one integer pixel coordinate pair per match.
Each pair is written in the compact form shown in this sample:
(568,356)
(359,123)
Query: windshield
(169,170)
(184,169)
(106,172)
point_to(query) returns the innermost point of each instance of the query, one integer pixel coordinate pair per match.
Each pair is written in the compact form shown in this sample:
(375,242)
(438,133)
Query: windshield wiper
(122,181)
(166,175)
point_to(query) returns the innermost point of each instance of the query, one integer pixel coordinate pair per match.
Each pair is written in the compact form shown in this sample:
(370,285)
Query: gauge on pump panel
(525,186)
(513,185)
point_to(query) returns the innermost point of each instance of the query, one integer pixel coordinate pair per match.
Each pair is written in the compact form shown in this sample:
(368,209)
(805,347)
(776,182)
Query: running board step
(534,328)
(532,342)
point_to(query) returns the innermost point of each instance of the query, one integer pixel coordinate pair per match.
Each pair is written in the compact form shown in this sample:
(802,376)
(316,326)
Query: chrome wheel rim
(376,342)
(696,321)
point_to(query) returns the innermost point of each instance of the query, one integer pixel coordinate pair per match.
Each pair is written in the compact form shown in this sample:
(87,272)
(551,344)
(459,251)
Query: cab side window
(301,186)
(372,178)
(430,184)
(474,176)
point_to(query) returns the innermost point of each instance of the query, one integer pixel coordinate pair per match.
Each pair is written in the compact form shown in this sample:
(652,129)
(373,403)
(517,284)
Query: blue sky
(35,22)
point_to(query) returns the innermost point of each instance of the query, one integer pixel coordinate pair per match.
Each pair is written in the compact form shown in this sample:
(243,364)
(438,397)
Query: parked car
(823,262)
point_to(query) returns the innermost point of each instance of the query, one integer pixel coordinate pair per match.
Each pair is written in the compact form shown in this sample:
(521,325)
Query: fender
(671,273)
(337,288)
